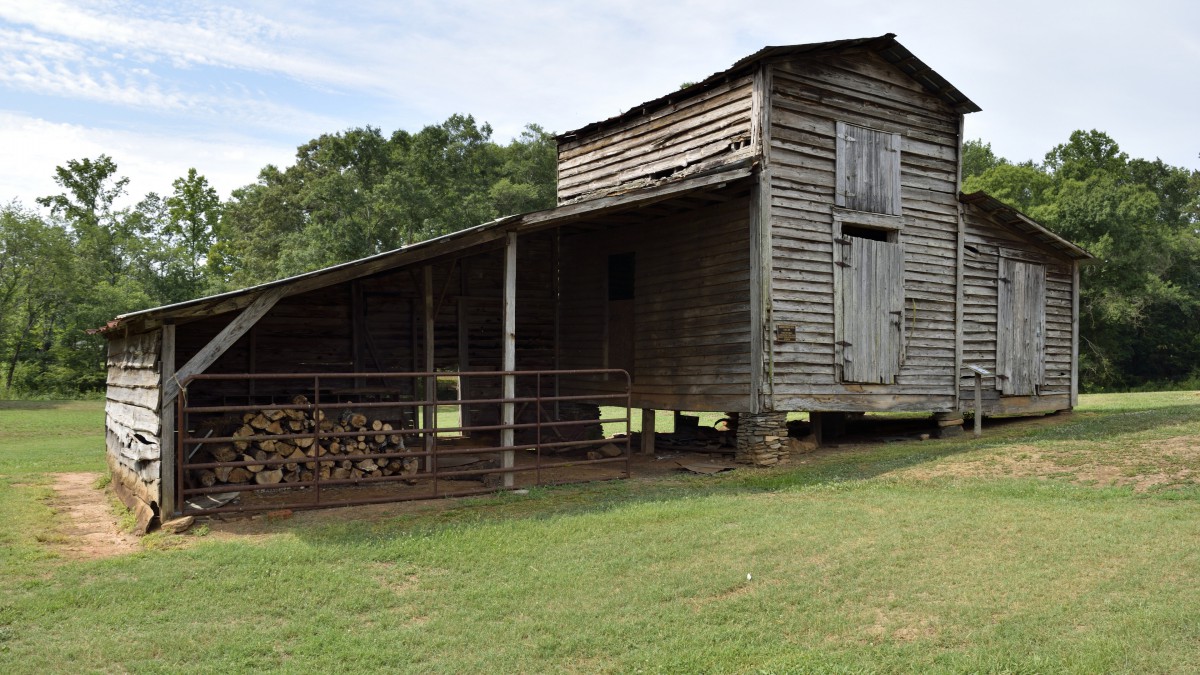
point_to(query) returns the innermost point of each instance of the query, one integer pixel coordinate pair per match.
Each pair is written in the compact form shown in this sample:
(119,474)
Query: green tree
(357,193)
(36,284)
(101,233)
(977,158)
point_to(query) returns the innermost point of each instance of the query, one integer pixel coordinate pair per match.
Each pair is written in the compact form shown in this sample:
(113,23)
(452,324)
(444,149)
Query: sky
(228,88)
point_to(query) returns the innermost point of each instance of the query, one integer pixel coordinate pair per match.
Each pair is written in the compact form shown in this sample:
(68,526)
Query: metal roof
(886,46)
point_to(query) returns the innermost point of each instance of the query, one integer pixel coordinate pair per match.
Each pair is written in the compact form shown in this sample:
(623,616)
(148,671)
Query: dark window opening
(620,276)
(864,233)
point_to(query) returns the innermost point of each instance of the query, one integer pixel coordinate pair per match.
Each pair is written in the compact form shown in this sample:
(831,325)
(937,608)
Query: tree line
(78,258)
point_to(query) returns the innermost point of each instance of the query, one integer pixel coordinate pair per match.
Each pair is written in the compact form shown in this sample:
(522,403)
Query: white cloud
(34,147)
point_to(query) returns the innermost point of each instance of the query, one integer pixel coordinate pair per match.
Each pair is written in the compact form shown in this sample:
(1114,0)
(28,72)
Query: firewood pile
(294,460)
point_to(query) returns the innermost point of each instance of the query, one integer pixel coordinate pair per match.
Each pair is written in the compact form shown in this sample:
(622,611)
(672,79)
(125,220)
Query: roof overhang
(1022,223)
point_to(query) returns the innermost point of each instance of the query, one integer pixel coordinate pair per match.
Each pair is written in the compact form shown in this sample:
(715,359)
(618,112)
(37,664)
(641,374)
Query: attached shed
(786,235)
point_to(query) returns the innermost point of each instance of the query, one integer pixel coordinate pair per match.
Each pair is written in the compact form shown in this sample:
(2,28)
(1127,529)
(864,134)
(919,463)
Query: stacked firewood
(343,454)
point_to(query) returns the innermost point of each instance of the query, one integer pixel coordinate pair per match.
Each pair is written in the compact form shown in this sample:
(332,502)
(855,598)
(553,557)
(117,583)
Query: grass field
(1063,544)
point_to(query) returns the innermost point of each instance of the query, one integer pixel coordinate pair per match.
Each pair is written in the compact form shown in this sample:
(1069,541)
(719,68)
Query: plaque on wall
(785,333)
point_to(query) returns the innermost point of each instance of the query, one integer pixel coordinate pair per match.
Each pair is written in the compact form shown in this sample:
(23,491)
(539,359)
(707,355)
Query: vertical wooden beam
(509,359)
(464,340)
(252,363)
(557,316)
(430,414)
(675,420)
(817,422)
(357,323)
(1074,333)
(762,357)
(166,426)
(766,242)
(959,291)
(959,304)
(647,431)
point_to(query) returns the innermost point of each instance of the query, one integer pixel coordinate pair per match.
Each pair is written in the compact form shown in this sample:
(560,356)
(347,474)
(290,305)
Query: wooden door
(1020,327)
(871,310)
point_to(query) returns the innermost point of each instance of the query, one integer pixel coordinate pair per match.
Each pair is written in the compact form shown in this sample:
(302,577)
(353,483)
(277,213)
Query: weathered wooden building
(786,235)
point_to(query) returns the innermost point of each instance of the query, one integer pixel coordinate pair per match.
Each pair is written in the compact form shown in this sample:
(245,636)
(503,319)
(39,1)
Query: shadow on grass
(846,463)
(1107,425)
(35,405)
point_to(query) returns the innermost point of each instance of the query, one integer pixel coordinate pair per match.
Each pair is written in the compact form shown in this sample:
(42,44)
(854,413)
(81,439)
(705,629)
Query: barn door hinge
(842,263)
(844,240)
(843,343)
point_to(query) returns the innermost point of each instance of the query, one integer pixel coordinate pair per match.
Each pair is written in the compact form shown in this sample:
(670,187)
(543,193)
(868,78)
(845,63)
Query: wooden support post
(509,359)
(676,419)
(170,378)
(816,420)
(252,365)
(357,321)
(166,428)
(647,431)
(978,405)
(430,411)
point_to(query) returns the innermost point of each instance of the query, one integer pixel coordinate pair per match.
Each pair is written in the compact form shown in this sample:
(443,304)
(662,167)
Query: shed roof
(689,188)
(1022,223)
(886,46)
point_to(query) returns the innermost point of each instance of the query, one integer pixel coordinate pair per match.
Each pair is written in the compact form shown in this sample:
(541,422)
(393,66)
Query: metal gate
(255,442)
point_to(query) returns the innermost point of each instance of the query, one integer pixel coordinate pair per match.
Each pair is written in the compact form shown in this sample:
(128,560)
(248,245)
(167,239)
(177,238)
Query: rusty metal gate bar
(429,429)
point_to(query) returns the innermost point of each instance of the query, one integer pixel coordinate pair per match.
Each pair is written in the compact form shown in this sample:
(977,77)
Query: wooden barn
(786,235)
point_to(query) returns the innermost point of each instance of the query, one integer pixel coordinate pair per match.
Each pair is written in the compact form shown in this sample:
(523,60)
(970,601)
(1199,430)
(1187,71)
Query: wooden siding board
(711,126)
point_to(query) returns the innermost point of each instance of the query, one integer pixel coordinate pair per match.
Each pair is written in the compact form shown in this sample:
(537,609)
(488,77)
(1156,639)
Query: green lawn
(1069,544)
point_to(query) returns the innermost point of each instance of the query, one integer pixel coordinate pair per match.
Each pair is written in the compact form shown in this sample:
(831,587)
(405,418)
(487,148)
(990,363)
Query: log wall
(691,316)
(986,243)
(132,422)
(808,97)
(685,137)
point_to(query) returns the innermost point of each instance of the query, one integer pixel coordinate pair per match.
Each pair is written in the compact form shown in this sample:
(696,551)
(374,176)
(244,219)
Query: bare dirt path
(90,529)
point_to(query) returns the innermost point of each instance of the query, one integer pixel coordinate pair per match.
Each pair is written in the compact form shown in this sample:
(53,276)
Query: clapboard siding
(808,98)
(132,427)
(986,243)
(707,129)
(691,306)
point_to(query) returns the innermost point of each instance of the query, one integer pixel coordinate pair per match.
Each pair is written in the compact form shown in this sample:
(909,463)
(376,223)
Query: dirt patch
(90,528)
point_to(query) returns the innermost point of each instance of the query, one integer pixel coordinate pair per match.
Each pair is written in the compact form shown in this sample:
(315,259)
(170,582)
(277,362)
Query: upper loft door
(1020,327)
(867,170)
(870,308)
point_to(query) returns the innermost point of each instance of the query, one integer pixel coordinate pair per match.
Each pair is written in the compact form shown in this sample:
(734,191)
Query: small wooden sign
(785,333)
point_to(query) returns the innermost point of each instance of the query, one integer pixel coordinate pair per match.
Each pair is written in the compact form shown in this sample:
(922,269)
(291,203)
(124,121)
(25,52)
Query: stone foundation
(949,424)
(762,438)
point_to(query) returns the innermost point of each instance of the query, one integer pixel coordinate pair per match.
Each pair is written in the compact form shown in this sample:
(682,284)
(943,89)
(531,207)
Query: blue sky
(229,87)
